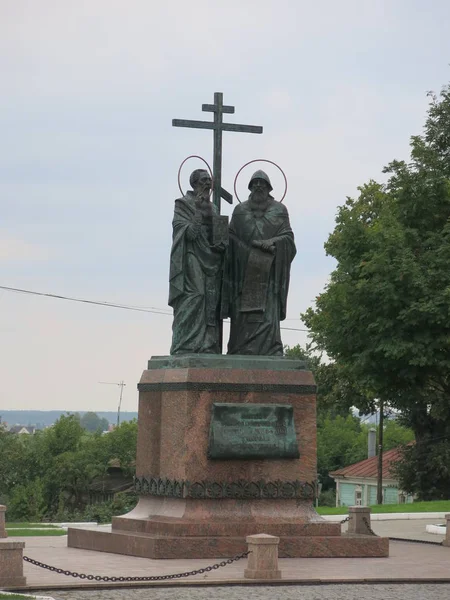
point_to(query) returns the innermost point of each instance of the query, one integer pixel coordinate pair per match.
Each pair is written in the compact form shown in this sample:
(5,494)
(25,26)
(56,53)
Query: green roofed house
(356,485)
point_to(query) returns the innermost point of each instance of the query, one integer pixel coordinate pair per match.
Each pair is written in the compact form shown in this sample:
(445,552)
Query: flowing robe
(258,281)
(195,281)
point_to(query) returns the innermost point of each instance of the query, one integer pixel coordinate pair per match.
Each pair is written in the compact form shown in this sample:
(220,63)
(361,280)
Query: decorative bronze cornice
(201,386)
(259,490)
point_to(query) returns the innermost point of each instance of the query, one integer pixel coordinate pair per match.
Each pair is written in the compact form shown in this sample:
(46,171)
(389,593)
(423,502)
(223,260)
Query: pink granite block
(11,564)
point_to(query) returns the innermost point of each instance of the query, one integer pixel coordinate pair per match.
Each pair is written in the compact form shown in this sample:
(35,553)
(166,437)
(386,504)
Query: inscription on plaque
(252,431)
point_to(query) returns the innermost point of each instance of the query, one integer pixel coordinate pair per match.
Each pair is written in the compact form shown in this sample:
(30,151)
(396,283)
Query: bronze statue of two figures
(241,271)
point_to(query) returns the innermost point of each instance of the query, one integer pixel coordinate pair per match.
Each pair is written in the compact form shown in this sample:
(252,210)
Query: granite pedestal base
(11,564)
(192,506)
(159,546)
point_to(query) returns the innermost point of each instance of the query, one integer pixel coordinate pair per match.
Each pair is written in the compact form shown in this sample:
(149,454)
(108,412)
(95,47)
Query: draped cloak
(257,282)
(194,282)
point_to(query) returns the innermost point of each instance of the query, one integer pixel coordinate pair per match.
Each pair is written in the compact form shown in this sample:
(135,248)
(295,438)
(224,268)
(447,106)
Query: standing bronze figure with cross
(244,277)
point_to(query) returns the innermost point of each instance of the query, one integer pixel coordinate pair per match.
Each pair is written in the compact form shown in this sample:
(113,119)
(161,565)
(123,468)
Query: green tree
(395,434)
(73,471)
(121,445)
(50,473)
(65,435)
(341,441)
(335,392)
(11,471)
(92,422)
(383,318)
(341,438)
(27,502)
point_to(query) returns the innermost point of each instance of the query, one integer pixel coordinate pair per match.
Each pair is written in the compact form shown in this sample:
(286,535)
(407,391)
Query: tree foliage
(342,438)
(335,392)
(50,472)
(92,422)
(384,317)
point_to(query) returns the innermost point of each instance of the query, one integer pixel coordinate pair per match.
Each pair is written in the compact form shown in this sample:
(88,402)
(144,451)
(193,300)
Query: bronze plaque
(252,431)
(256,281)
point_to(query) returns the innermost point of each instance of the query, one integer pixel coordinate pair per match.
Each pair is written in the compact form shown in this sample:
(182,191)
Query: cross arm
(223,126)
(242,128)
(214,108)
(192,124)
(226,195)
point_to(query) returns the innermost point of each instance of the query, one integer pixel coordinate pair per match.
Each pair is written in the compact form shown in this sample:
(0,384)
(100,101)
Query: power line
(153,310)
(368,417)
(157,311)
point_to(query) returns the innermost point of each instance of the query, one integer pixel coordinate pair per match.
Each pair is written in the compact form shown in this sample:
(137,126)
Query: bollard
(446,541)
(3,533)
(11,557)
(263,558)
(357,515)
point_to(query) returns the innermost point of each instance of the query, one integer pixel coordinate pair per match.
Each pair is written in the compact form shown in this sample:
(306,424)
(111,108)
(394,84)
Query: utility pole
(380,455)
(121,384)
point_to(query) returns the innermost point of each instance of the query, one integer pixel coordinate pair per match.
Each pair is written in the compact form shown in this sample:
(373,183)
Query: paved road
(412,529)
(307,592)
(406,561)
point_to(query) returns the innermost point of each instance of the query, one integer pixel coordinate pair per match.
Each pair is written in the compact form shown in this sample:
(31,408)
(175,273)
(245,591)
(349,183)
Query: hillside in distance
(44,418)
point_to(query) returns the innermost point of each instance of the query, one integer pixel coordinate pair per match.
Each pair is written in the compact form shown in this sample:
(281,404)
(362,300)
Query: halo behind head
(181,166)
(266,178)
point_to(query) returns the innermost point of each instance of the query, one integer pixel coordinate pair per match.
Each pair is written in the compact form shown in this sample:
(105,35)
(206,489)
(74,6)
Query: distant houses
(22,429)
(356,485)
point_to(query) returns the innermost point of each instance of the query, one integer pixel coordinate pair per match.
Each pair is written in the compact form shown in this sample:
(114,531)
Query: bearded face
(202,187)
(259,193)
(202,191)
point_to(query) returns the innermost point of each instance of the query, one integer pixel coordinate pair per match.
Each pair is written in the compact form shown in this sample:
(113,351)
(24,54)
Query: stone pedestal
(11,564)
(192,506)
(3,533)
(263,557)
(446,541)
(11,561)
(359,519)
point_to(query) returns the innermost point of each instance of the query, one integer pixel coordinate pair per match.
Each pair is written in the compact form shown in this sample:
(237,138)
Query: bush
(27,502)
(327,498)
(104,512)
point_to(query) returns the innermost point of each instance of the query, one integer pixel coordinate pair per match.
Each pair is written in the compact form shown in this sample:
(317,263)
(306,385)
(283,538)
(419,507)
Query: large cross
(218,126)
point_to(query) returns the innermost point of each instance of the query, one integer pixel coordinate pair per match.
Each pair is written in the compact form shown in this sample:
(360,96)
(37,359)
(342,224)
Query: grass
(30,525)
(434,506)
(13,596)
(23,532)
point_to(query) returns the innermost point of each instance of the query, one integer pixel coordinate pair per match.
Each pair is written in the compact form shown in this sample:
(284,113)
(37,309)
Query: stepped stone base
(158,546)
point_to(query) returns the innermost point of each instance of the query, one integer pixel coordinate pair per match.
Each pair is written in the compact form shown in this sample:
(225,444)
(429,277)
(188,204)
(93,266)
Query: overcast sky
(89,159)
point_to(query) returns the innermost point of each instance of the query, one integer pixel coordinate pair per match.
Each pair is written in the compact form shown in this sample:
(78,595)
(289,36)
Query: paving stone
(408,561)
(294,592)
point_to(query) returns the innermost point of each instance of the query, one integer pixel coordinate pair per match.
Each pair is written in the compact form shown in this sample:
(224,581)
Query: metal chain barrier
(396,539)
(346,520)
(223,563)
(369,528)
